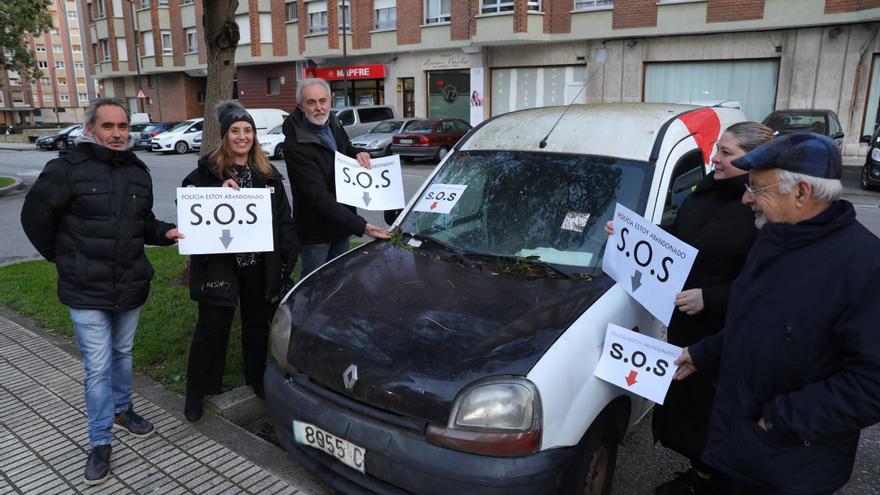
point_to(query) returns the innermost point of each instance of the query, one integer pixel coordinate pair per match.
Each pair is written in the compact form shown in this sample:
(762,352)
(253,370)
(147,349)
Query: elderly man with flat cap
(798,362)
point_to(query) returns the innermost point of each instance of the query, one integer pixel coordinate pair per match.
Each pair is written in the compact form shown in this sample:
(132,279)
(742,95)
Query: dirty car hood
(420,329)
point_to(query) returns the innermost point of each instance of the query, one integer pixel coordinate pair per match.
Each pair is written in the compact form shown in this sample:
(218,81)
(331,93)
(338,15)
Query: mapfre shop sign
(376,71)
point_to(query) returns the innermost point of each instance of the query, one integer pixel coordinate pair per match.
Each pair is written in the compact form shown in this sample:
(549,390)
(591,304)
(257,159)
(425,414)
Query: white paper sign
(377,188)
(637,363)
(650,264)
(440,198)
(223,220)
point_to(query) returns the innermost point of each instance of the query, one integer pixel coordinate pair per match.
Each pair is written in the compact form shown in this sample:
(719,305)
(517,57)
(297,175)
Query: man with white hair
(798,362)
(312,137)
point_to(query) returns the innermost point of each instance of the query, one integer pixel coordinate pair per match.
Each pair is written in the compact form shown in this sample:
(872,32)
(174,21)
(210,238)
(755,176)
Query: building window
(163,3)
(14,78)
(41,48)
(192,40)
(291,12)
(101,12)
(386,14)
(117,8)
(188,2)
(62,81)
(265,28)
(151,81)
(273,86)
(149,49)
(438,11)
(42,64)
(592,4)
(55,32)
(495,6)
(105,49)
(83,96)
(79,66)
(121,50)
(166,42)
(244,29)
(201,97)
(76,48)
(45,81)
(317,17)
(56,48)
(59,65)
(145,4)
(346,15)
(64,97)
(71,14)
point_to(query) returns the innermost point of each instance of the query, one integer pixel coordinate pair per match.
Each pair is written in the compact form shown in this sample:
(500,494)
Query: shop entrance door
(409,96)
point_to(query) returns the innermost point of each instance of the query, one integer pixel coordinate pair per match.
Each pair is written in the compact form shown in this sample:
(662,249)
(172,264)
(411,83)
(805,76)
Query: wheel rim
(62,145)
(441,154)
(279,152)
(181,147)
(597,472)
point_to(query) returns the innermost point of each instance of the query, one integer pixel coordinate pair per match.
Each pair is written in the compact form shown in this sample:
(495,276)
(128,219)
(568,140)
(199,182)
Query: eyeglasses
(752,191)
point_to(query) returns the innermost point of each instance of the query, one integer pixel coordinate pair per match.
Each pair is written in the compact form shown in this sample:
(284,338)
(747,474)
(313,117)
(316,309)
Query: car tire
(592,469)
(181,147)
(279,151)
(387,151)
(863,179)
(441,153)
(61,145)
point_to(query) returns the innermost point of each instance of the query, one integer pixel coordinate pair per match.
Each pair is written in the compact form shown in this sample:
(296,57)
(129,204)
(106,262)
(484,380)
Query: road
(641,465)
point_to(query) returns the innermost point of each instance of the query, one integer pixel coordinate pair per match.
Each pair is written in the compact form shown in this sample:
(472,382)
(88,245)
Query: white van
(266,119)
(458,357)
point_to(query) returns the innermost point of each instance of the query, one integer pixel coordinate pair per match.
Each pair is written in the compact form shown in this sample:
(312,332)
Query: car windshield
(420,126)
(137,127)
(791,122)
(181,126)
(275,130)
(68,129)
(389,126)
(550,207)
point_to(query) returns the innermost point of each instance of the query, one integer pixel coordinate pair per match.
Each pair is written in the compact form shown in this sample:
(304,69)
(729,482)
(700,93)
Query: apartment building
(64,88)
(477,58)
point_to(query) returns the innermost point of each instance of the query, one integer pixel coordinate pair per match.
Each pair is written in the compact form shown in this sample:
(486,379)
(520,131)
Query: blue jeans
(314,255)
(105,340)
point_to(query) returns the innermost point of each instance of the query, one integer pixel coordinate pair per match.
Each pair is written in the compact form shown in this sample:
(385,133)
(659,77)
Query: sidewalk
(43,437)
(17,146)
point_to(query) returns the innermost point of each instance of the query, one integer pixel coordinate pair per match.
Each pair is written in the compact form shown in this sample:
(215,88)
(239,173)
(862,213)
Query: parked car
(266,119)
(56,141)
(871,169)
(429,138)
(806,120)
(272,143)
(135,130)
(377,142)
(197,143)
(145,138)
(179,138)
(458,357)
(359,120)
(72,135)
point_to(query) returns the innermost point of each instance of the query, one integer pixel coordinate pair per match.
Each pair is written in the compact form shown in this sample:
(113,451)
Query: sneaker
(98,465)
(134,424)
(686,483)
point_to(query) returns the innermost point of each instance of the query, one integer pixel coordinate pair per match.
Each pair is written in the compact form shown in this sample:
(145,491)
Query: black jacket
(713,220)
(213,278)
(317,216)
(90,212)
(801,349)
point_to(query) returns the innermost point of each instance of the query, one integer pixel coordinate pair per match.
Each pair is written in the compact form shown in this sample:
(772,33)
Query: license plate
(344,451)
(406,141)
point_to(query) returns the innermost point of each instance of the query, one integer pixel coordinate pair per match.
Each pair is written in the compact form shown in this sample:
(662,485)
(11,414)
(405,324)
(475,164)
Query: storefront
(449,93)
(366,84)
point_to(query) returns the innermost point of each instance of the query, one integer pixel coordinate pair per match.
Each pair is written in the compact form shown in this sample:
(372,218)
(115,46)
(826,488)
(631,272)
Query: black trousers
(207,354)
(741,488)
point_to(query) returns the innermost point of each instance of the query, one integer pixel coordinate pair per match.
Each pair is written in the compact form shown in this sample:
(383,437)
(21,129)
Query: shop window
(438,11)
(291,12)
(386,14)
(449,94)
(592,4)
(273,86)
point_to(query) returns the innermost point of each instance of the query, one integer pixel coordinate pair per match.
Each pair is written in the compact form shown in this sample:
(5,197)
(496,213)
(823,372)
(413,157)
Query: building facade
(477,58)
(64,88)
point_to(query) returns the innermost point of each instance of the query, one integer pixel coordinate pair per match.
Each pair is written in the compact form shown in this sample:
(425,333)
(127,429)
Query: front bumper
(415,151)
(399,460)
(154,146)
(374,152)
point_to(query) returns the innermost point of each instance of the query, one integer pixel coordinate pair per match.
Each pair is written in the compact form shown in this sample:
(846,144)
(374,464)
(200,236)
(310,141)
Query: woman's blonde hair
(223,158)
(750,135)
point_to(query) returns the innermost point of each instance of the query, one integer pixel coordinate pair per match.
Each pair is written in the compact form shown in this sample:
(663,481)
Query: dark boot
(194,407)
(98,465)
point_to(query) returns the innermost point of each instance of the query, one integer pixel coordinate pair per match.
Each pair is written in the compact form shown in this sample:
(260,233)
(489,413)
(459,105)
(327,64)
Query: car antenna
(543,143)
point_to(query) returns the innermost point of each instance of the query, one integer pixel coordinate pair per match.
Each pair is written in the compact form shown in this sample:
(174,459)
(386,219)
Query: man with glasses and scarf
(798,362)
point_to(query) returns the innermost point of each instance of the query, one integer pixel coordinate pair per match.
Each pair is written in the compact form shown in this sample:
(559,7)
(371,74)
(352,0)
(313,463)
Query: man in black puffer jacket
(313,135)
(90,213)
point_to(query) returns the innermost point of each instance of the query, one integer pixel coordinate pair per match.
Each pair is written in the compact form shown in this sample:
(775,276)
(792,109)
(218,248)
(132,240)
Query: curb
(16,183)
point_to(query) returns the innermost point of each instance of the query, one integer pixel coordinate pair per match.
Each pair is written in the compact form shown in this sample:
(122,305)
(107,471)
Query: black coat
(213,278)
(90,212)
(317,216)
(713,220)
(801,348)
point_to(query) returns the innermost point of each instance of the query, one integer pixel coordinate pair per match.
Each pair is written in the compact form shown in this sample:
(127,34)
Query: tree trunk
(221,39)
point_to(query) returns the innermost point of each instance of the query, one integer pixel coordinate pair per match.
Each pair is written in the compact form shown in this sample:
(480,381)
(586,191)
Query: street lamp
(344,56)
(137,56)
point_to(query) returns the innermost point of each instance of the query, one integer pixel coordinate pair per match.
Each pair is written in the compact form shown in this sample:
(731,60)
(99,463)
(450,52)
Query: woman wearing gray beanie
(246,280)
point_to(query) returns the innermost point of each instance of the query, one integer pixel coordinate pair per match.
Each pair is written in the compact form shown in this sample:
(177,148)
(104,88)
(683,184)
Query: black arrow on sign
(226,238)
(636,280)
(366,198)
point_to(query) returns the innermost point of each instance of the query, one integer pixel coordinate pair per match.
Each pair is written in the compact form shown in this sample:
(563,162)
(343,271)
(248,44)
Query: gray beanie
(230,112)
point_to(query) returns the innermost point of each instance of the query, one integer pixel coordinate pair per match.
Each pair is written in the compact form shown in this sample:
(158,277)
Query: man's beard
(323,121)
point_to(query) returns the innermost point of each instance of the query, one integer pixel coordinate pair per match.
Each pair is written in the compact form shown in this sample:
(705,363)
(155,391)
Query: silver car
(377,142)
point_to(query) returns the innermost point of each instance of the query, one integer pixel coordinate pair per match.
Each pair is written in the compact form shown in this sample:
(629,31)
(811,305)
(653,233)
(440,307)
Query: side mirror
(839,135)
(866,139)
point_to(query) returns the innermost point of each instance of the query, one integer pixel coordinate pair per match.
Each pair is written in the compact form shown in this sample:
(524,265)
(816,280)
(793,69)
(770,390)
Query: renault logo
(350,377)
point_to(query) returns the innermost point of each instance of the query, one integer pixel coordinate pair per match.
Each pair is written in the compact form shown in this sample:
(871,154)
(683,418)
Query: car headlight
(279,335)
(499,417)
(49,140)
(875,154)
(374,144)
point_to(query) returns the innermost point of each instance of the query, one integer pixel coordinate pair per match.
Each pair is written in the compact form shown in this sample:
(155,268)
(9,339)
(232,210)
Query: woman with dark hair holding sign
(714,220)
(222,282)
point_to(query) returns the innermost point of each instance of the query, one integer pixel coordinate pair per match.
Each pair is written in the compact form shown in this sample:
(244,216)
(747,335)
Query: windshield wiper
(454,250)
